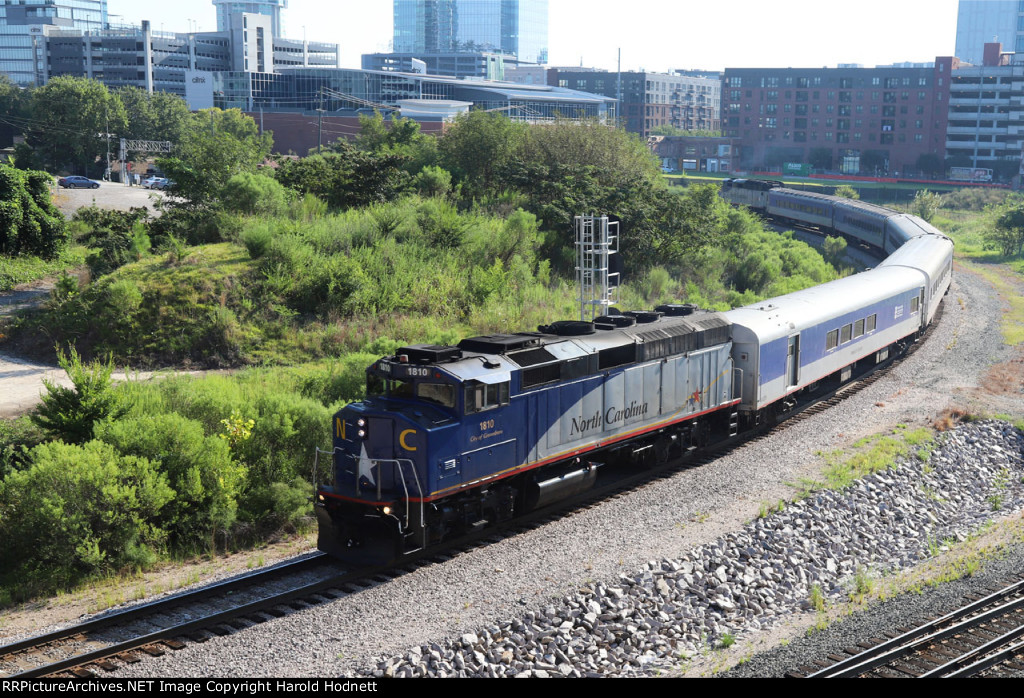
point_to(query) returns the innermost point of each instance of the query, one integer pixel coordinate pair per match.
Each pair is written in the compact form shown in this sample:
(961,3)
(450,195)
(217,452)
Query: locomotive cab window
(388,387)
(481,397)
(439,393)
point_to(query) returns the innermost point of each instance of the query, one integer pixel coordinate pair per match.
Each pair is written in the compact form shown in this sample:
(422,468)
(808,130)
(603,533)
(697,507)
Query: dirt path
(22,380)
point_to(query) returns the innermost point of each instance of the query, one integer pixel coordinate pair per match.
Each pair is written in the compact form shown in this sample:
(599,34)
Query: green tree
(616,155)
(29,222)
(397,136)
(14,107)
(214,146)
(926,204)
(157,116)
(477,146)
(347,177)
(71,413)
(1007,235)
(69,117)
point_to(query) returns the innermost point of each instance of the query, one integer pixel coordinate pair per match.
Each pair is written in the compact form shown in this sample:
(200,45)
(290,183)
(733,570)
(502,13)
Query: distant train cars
(452,439)
(879,227)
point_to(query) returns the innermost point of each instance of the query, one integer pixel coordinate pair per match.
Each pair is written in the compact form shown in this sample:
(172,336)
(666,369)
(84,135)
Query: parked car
(153,183)
(164,184)
(76,182)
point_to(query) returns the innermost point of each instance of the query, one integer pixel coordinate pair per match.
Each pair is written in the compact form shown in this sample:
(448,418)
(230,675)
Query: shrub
(255,194)
(256,239)
(845,191)
(433,181)
(199,468)
(82,509)
(441,223)
(71,413)
(926,204)
(29,222)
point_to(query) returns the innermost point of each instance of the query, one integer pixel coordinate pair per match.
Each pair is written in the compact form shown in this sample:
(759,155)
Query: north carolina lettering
(611,416)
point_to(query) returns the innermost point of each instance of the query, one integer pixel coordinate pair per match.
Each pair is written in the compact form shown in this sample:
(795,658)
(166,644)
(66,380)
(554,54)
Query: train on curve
(451,439)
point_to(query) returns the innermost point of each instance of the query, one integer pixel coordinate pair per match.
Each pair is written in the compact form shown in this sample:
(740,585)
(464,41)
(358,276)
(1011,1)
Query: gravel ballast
(581,558)
(742,582)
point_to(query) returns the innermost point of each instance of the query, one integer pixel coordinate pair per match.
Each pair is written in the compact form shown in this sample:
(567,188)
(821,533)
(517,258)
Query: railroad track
(123,637)
(983,638)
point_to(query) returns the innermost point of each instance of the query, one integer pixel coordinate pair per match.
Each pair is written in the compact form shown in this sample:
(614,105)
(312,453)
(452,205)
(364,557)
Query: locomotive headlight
(361,423)
(386,510)
(362,433)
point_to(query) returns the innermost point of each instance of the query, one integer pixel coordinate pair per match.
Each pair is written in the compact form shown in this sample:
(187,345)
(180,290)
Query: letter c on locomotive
(401,440)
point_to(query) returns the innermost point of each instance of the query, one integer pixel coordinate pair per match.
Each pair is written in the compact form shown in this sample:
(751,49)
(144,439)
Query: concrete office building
(180,62)
(267,8)
(985,119)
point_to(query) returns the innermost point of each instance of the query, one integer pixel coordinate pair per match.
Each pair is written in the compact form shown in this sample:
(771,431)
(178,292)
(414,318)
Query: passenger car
(76,182)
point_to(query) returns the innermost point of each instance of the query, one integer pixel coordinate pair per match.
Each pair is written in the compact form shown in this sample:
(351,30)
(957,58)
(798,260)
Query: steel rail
(214,619)
(161,605)
(930,632)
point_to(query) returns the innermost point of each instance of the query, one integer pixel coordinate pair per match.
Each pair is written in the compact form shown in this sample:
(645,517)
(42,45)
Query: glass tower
(24,25)
(271,8)
(984,21)
(512,27)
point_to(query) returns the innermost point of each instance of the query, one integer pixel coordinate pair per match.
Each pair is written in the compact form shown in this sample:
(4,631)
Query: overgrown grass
(15,271)
(868,455)
(294,290)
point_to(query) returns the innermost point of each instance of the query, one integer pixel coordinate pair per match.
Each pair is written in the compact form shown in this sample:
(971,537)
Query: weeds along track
(985,637)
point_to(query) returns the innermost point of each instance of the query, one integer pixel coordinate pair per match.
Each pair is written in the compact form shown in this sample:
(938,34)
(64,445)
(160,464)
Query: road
(21,380)
(109,195)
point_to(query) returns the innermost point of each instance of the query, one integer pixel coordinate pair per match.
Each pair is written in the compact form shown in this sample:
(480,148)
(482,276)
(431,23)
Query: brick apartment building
(850,119)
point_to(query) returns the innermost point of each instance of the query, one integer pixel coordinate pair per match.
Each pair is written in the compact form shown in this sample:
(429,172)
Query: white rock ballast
(649,622)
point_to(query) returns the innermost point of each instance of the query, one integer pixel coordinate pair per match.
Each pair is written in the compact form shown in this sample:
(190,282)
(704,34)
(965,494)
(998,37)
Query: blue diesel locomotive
(452,439)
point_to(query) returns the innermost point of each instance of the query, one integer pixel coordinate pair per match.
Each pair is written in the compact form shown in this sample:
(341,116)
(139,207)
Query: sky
(654,35)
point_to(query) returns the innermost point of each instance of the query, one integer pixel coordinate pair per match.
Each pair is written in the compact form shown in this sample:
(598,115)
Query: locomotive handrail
(400,462)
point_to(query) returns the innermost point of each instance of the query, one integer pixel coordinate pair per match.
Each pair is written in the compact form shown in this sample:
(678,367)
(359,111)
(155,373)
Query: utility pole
(106,129)
(320,124)
(618,91)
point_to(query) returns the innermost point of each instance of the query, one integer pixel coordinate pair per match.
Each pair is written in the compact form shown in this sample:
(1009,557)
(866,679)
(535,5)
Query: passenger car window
(832,340)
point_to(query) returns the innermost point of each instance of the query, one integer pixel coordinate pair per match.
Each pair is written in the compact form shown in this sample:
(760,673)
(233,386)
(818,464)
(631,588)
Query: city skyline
(654,35)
